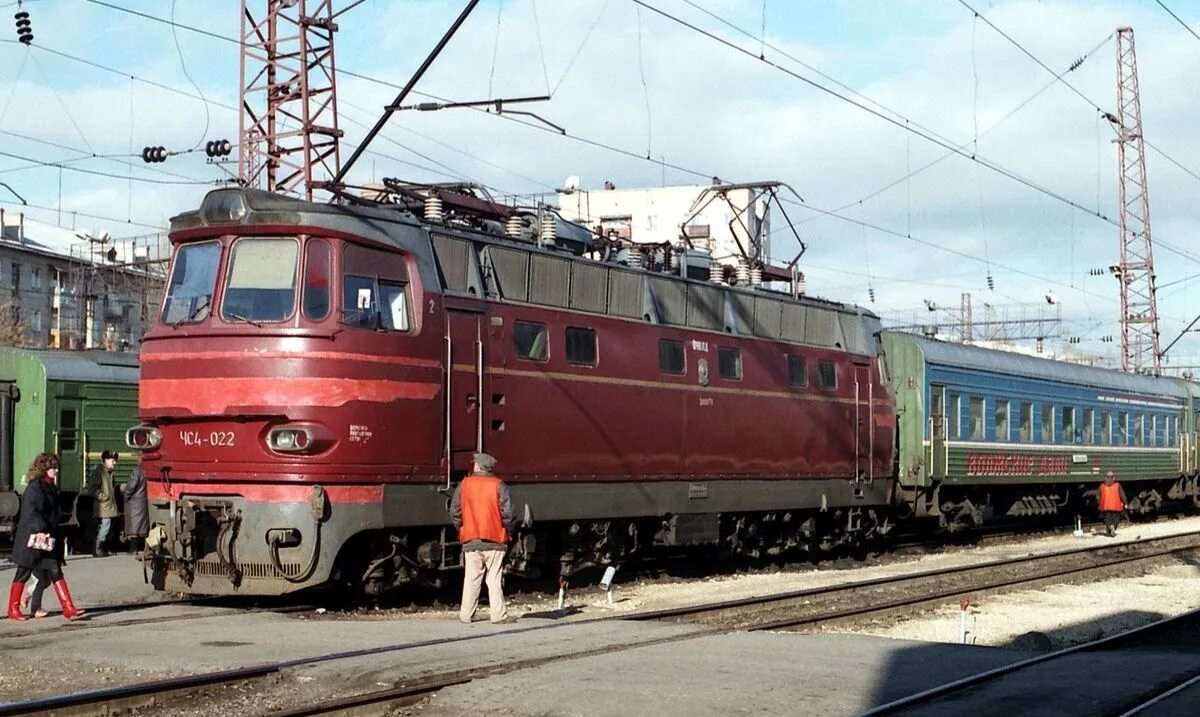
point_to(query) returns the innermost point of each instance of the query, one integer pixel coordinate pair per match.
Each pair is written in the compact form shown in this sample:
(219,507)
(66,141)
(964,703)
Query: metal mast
(1139,307)
(289,119)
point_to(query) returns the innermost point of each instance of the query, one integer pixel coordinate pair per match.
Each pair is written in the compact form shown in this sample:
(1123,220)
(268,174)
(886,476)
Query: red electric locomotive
(320,375)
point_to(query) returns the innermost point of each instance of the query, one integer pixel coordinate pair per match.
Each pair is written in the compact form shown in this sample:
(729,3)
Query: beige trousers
(477,564)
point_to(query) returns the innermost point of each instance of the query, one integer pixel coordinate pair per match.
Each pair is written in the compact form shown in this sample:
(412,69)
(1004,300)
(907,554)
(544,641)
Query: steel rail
(934,693)
(152,692)
(1162,697)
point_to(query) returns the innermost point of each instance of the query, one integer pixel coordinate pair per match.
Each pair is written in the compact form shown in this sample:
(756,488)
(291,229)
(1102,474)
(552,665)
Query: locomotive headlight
(143,438)
(224,207)
(289,440)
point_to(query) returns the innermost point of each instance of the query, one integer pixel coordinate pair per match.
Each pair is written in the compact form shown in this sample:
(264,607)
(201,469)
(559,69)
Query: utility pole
(289,118)
(1139,306)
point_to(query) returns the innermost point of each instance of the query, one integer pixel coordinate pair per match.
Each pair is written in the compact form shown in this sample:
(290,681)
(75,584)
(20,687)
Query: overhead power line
(1177,19)
(904,124)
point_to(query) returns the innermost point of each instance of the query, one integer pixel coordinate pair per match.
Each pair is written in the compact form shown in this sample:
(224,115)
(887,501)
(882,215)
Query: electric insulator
(24,27)
(152,155)
(218,148)
(991,283)
(871,293)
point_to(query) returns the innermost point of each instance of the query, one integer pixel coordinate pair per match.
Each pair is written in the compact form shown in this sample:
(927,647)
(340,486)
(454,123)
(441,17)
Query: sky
(646,100)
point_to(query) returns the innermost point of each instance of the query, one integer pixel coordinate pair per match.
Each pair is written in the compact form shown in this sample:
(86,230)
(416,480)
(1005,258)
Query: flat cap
(485,461)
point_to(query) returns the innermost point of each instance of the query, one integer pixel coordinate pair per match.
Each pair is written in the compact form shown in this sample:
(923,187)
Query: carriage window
(530,341)
(729,363)
(1122,432)
(581,346)
(1089,426)
(976,409)
(1106,432)
(954,413)
(1068,414)
(66,429)
(1139,429)
(193,276)
(1047,423)
(797,371)
(316,280)
(262,280)
(826,374)
(1002,420)
(1026,425)
(670,356)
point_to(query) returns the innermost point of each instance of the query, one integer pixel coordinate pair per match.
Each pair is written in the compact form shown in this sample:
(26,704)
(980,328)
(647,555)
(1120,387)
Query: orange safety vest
(1110,498)
(480,501)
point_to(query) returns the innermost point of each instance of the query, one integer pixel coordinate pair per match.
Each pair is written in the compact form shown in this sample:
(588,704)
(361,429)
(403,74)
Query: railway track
(965,696)
(881,597)
(792,610)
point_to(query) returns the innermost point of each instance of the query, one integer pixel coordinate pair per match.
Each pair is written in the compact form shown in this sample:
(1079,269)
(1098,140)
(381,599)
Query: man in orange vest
(482,512)
(1112,503)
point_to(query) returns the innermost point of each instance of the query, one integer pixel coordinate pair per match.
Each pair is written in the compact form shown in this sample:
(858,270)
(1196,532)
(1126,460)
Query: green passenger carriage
(75,403)
(986,434)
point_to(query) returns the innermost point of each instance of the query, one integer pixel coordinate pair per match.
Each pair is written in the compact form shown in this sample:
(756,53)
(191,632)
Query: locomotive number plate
(211,439)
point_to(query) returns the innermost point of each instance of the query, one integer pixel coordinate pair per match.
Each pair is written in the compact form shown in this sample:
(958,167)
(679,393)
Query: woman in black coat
(37,547)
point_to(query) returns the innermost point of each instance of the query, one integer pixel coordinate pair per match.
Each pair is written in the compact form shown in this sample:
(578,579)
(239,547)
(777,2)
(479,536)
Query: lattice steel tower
(289,119)
(1139,307)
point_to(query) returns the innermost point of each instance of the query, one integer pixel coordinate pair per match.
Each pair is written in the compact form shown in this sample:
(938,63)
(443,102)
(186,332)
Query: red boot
(14,602)
(64,598)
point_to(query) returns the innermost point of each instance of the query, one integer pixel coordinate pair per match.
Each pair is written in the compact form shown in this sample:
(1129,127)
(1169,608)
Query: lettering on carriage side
(699,345)
(213,439)
(1001,464)
(360,434)
(706,401)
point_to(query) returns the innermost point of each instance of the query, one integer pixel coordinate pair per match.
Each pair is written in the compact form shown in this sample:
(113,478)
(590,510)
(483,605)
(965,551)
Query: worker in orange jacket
(481,510)
(1112,503)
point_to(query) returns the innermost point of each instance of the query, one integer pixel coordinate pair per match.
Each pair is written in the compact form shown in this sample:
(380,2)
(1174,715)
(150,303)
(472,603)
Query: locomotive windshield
(189,293)
(262,280)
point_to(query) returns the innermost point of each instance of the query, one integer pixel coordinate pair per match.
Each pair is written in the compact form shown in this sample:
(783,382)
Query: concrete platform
(590,672)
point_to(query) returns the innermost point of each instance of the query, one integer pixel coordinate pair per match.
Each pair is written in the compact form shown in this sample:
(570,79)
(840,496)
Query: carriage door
(864,433)
(464,386)
(68,444)
(937,431)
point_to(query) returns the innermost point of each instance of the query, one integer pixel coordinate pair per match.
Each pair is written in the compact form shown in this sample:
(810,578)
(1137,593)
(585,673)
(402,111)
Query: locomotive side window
(729,363)
(581,346)
(797,371)
(193,276)
(530,341)
(374,289)
(670,356)
(826,375)
(262,280)
(317,273)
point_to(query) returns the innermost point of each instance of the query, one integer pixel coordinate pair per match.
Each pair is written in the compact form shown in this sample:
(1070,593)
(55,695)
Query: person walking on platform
(137,509)
(102,486)
(481,510)
(37,546)
(1112,503)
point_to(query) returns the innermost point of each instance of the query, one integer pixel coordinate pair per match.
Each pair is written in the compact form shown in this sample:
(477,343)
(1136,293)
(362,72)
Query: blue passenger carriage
(987,433)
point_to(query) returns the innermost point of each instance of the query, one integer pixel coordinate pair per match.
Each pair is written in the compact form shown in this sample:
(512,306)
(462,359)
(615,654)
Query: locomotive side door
(864,423)
(937,432)
(464,386)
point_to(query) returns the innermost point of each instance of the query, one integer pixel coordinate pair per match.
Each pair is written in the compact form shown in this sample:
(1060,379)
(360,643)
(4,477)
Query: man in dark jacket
(481,510)
(137,509)
(103,489)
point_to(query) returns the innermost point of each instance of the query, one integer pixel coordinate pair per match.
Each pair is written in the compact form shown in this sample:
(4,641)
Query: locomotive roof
(272,207)
(101,366)
(992,360)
